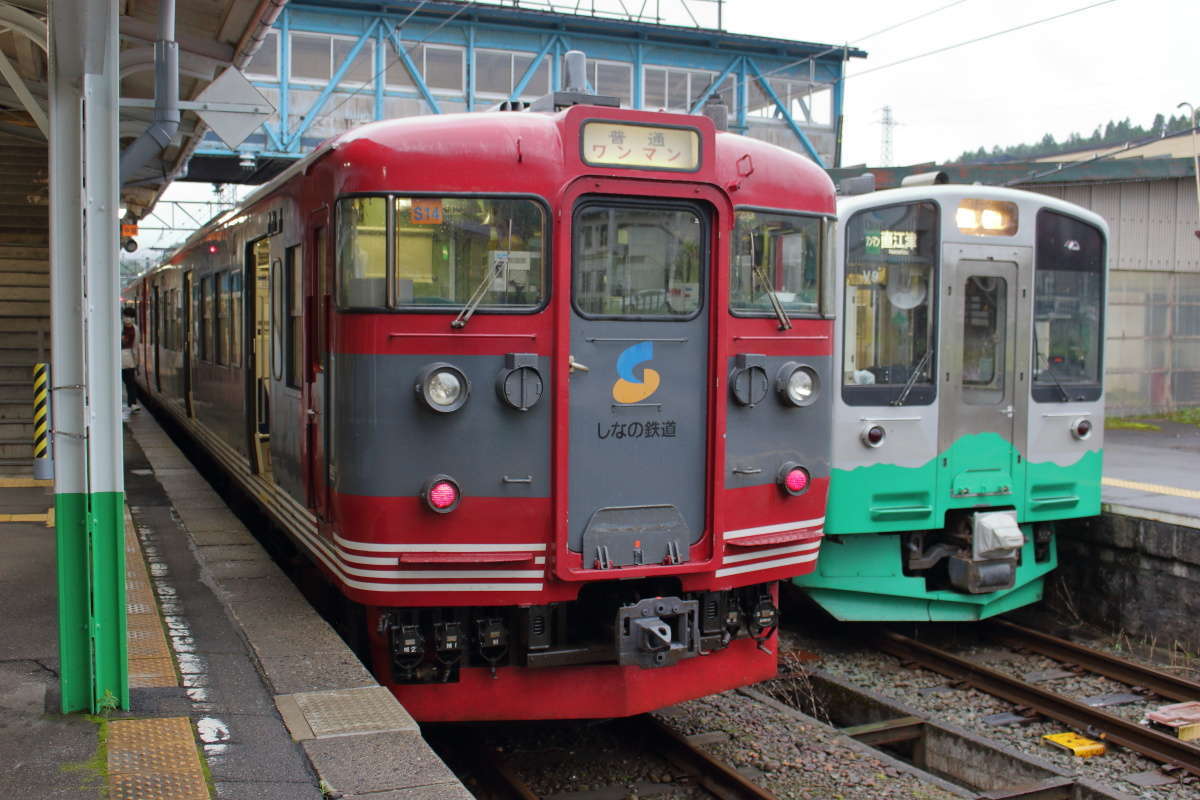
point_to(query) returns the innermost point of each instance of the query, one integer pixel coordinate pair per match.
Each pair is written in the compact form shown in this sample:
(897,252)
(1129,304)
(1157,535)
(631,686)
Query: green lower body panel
(90,535)
(859,579)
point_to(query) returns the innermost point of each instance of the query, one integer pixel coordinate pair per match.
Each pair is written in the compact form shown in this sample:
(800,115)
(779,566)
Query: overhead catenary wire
(977,39)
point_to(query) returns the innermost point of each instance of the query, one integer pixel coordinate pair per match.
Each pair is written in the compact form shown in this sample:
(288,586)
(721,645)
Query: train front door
(316,327)
(638,399)
(979,324)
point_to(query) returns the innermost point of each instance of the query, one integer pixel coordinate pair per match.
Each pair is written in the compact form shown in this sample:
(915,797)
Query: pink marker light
(796,481)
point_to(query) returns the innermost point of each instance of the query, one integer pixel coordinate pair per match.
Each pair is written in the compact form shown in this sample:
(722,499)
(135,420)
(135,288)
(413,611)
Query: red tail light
(441,494)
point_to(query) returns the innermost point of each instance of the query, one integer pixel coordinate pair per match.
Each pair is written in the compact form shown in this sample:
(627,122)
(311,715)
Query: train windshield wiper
(482,289)
(912,378)
(1049,369)
(760,275)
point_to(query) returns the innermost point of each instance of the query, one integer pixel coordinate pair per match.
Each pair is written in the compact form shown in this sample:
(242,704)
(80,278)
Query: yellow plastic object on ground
(1084,748)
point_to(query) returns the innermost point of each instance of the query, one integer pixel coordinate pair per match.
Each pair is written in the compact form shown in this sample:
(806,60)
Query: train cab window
(1068,309)
(776,254)
(891,262)
(638,261)
(449,250)
(362,252)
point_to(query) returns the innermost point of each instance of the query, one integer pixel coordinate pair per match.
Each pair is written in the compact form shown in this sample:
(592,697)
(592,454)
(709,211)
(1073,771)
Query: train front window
(776,254)
(891,259)
(1068,312)
(453,250)
(638,261)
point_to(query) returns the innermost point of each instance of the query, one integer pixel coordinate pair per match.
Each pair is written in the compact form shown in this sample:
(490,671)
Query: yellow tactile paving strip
(150,663)
(150,759)
(22,483)
(1156,488)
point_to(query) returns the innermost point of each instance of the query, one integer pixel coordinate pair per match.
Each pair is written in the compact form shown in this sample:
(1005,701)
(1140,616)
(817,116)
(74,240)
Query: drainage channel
(975,766)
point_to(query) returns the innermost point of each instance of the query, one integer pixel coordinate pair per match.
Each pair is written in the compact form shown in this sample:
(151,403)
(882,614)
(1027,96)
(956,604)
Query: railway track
(692,767)
(1070,654)
(1080,716)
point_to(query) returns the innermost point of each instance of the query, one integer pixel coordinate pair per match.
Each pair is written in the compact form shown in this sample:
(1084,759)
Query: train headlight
(873,435)
(792,478)
(443,388)
(797,384)
(441,494)
(1081,428)
(986,217)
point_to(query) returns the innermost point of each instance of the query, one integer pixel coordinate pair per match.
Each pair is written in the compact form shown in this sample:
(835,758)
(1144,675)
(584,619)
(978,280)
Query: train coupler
(658,631)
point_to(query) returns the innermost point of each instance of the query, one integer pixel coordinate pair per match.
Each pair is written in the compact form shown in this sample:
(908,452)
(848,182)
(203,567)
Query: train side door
(638,431)
(316,347)
(257,283)
(188,343)
(977,418)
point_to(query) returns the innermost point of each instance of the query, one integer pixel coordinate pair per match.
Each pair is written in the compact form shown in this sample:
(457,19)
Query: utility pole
(885,145)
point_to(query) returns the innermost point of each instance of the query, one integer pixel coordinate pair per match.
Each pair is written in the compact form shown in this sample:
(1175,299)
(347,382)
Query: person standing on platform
(129,338)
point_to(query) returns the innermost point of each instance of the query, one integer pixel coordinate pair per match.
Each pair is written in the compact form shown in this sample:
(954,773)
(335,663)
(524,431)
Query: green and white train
(969,419)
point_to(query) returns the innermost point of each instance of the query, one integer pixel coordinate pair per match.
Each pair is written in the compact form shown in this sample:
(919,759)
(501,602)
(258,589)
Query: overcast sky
(1126,58)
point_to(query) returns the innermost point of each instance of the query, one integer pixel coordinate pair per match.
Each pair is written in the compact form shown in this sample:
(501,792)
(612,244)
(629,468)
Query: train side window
(206,318)
(293,302)
(362,252)
(321,343)
(780,254)
(221,319)
(197,318)
(890,263)
(236,322)
(1068,309)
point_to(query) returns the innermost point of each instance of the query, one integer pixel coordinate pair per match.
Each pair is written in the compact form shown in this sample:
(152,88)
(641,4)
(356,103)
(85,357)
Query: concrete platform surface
(1154,473)
(244,644)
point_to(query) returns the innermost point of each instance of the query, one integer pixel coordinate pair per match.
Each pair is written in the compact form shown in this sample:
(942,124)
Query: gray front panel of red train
(638,439)
(387,443)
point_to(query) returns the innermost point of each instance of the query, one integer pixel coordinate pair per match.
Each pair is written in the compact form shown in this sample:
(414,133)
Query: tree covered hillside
(1112,134)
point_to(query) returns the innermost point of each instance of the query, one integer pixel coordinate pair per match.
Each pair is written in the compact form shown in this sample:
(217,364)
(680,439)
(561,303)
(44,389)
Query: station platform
(238,689)
(1153,474)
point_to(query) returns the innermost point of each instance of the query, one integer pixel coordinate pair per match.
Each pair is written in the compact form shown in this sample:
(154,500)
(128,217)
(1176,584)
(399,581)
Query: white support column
(103,286)
(66,253)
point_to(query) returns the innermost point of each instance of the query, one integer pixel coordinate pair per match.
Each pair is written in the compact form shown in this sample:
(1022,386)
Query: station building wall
(1153,329)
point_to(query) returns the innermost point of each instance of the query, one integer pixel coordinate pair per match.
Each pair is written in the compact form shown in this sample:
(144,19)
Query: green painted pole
(89,484)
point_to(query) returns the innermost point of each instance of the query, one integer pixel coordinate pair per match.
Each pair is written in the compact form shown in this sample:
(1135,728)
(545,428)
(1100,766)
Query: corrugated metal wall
(1153,340)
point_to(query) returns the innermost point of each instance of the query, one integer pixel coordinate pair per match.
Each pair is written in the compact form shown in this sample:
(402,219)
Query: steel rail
(711,774)
(1146,741)
(1161,683)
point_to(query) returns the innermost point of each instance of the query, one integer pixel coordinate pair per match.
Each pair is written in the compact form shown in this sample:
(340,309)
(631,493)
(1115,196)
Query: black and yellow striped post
(43,466)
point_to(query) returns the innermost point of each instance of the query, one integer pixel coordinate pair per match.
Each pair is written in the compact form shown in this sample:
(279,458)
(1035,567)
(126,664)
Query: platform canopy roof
(212,35)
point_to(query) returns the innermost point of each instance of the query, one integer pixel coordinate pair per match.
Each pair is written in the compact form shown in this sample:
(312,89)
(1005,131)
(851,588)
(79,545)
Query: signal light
(441,494)
(873,435)
(1081,428)
(793,478)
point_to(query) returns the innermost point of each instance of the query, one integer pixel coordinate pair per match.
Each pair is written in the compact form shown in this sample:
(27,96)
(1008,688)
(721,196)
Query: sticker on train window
(620,144)
(426,211)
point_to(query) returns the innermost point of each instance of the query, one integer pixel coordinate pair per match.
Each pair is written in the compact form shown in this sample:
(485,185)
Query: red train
(541,393)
